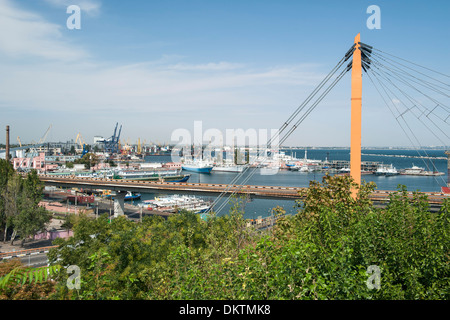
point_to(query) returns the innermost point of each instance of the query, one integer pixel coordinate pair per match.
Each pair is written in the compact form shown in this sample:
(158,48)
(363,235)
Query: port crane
(112,144)
(139,146)
(82,143)
(32,150)
(45,135)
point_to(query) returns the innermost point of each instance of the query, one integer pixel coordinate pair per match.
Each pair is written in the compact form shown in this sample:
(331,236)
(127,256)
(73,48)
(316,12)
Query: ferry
(386,171)
(419,171)
(414,170)
(177,202)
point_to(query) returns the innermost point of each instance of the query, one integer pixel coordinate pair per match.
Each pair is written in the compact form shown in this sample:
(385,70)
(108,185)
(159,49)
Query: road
(35,260)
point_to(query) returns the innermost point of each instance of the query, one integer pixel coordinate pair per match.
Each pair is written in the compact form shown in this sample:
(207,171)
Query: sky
(157,66)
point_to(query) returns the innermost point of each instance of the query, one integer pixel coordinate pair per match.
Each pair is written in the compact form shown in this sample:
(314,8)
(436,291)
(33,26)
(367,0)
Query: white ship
(413,170)
(197,165)
(298,164)
(229,168)
(419,171)
(177,202)
(386,171)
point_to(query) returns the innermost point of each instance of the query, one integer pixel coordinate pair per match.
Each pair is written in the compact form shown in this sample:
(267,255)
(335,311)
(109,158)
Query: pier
(379,197)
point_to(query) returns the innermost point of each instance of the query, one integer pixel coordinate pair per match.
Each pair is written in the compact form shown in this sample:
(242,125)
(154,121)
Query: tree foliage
(18,282)
(19,203)
(322,252)
(89,160)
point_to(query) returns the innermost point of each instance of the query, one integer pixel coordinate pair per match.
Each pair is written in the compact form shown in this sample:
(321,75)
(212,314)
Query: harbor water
(430,160)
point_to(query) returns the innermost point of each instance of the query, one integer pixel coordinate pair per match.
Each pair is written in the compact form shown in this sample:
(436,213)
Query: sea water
(263,207)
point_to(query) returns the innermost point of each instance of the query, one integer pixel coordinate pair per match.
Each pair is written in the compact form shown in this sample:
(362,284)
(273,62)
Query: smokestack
(7,144)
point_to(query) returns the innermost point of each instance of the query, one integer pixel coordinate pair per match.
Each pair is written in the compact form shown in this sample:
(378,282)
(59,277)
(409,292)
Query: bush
(322,252)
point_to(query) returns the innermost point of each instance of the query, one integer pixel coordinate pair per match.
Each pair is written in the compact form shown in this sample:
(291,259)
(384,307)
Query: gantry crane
(82,143)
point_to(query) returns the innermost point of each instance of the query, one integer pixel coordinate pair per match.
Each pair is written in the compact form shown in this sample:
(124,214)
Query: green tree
(69,165)
(112,163)
(12,198)
(31,219)
(18,282)
(22,210)
(33,187)
(89,160)
(6,171)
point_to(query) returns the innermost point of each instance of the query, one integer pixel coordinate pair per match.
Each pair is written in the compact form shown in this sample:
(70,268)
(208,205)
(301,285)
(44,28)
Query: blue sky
(156,66)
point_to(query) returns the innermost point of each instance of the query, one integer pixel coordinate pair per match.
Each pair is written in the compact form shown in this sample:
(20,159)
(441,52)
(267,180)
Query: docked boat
(414,170)
(344,170)
(386,171)
(197,166)
(150,176)
(419,171)
(143,174)
(183,179)
(130,196)
(229,168)
(300,168)
(177,202)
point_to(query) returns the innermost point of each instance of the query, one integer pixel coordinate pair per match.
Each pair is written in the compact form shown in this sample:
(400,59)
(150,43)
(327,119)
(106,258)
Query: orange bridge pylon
(356,106)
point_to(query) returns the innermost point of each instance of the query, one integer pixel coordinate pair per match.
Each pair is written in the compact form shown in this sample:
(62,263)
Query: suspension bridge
(408,90)
(387,73)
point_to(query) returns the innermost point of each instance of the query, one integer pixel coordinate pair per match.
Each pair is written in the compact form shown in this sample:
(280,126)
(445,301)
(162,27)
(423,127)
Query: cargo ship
(197,166)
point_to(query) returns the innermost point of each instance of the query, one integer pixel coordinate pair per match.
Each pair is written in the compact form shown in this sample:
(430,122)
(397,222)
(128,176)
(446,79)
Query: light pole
(75,202)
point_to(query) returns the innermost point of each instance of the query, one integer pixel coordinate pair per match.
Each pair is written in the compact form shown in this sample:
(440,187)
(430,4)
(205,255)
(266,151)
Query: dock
(207,189)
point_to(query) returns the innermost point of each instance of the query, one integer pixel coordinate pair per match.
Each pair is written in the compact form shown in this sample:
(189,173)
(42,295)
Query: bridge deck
(211,189)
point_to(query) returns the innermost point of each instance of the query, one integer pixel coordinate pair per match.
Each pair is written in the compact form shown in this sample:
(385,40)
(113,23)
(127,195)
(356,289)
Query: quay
(379,197)
(205,189)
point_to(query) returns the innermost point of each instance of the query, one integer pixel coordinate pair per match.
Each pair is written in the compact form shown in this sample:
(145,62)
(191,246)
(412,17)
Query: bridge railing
(20,253)
(269,191)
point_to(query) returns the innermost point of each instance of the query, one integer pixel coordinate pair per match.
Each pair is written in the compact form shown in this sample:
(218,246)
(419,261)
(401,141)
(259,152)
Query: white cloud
(29,35)
(76,92)
(147,87)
